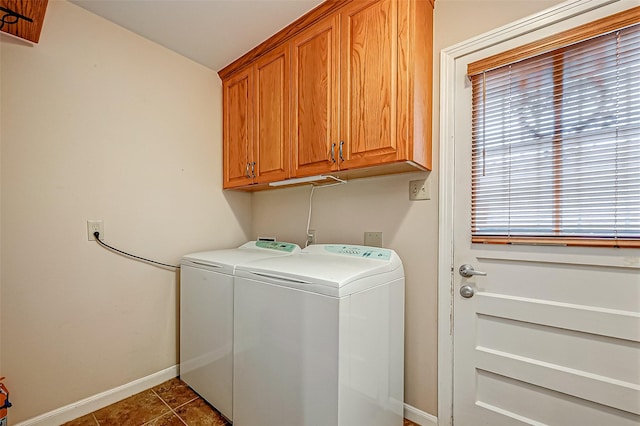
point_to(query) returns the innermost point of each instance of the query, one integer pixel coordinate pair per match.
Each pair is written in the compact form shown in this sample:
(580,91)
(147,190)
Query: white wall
(98,123)
(343,213)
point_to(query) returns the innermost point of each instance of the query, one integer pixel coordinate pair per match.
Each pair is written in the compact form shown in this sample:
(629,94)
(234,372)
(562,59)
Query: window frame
(554,46)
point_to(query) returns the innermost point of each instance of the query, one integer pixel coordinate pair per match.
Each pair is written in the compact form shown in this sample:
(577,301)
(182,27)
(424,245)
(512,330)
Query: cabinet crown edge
(305,21)
(321,11)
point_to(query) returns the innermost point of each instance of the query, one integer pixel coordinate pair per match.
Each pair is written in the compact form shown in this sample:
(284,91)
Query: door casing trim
(448,57)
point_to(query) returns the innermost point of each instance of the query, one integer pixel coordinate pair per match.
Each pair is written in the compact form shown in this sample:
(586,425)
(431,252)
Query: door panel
(534,402)
(369,83)
(551,334)
(271,149)
(237,128)
(315,98)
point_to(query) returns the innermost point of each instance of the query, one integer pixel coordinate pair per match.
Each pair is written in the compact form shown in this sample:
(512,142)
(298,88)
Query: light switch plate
(419,190)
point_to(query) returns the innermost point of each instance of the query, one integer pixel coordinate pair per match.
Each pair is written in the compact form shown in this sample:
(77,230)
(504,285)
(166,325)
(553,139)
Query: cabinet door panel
(369,83)
(272,149)
(237,129)
(315,98)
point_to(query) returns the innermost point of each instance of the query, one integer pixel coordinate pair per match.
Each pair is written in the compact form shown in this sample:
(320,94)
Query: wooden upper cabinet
(387,78)
(315,98)
(271,149)
(415,82)
(369,47)
(353,99)
(256,147)
(237,128)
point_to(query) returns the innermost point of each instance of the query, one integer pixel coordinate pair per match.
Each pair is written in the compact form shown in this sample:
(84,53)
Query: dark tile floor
(172,403)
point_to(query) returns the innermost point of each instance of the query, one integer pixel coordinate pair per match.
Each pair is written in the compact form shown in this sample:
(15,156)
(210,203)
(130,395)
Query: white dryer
(206,317)
(319,339)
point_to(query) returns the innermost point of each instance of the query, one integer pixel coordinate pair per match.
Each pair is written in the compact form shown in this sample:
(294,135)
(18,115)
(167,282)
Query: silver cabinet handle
(253,169)
(246,171)
(341,145)
(467,271)
(466,291)
(333,155)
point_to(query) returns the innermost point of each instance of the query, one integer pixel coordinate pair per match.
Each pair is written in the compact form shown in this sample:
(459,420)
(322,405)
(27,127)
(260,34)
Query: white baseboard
(101,400)
(419,416)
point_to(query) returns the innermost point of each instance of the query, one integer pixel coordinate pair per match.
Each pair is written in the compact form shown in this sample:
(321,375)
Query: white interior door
(551,335)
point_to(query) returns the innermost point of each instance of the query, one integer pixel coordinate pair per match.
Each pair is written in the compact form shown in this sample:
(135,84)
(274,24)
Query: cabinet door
(237,128)
(271,149)
(315,98)
(369,48)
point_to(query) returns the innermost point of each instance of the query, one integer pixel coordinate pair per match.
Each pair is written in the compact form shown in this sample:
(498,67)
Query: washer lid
(226,260)
(330,269)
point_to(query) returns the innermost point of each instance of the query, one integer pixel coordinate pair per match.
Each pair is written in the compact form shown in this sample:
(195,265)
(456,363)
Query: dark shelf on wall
(23,18)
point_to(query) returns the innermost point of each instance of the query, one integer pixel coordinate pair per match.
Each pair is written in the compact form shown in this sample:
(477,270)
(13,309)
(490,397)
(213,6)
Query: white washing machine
(206,317)
(319,339)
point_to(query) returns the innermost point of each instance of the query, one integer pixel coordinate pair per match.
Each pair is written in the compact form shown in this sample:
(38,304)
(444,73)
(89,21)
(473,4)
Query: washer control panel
(276,245)
(359,251)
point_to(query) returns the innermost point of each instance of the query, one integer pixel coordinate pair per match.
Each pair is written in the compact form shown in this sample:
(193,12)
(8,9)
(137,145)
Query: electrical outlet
(95,226)
(311,237)
(373,239)
(419,190)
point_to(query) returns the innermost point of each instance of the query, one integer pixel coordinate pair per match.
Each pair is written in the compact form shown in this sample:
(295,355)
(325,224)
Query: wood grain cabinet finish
(256,146)
(369,107)
(237,128)
(360,92)
(23,18)
(315,104)
(386,85)
(272,150)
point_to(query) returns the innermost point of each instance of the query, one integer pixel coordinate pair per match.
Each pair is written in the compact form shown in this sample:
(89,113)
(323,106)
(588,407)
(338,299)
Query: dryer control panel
(359,251)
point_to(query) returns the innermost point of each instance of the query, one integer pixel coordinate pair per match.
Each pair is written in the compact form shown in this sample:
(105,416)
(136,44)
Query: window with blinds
(556,139)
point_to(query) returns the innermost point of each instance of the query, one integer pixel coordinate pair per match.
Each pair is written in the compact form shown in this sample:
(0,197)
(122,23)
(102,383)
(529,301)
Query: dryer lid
(330,269)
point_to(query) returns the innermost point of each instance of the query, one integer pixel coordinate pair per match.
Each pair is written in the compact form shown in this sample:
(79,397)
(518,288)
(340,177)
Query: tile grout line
(181,405)
(171,410)
(189,402)
(162,414)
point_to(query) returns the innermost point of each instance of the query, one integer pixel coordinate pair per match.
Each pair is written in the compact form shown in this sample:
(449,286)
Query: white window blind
(556,145)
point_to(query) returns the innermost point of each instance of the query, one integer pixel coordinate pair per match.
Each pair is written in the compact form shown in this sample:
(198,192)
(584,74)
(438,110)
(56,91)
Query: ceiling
(211,32)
